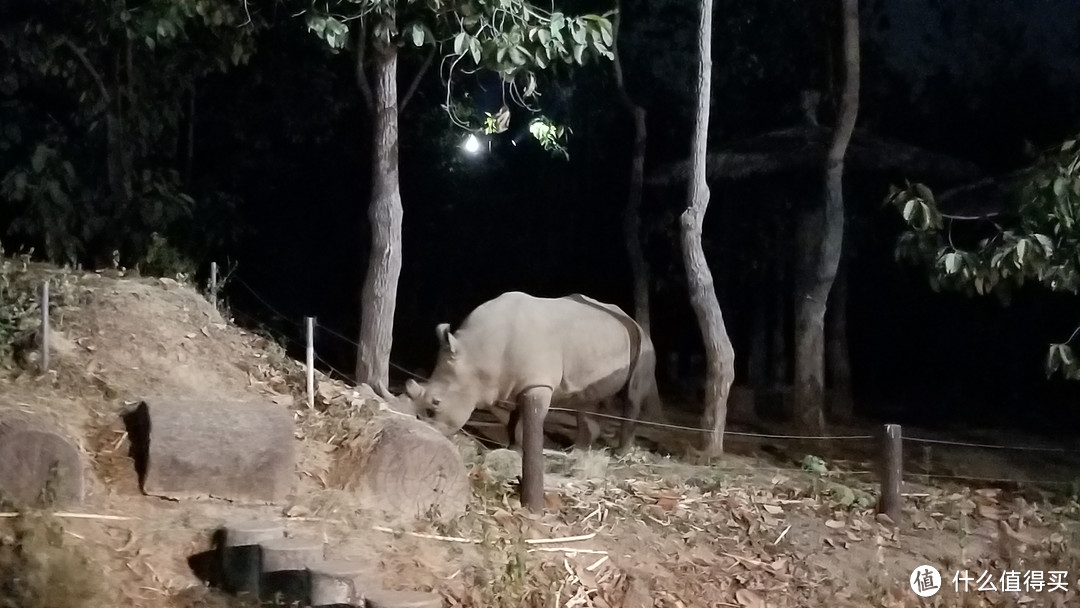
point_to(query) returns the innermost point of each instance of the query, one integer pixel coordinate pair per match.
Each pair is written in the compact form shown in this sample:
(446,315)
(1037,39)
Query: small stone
(503,464)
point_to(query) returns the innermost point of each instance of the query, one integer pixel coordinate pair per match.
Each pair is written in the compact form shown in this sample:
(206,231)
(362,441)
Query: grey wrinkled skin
(585,351)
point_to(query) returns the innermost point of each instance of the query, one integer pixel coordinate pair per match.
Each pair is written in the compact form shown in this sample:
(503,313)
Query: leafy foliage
(96,103)
(1039,241)
(513,39)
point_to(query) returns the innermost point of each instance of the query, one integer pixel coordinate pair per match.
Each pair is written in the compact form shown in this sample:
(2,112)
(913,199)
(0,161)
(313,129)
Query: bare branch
(89,68)
(416,80)
(620,81)
(361,75)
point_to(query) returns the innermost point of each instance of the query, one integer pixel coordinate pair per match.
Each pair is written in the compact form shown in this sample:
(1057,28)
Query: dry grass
(41,568)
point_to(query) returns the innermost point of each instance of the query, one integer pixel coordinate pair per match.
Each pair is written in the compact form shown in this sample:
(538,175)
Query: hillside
(642,531)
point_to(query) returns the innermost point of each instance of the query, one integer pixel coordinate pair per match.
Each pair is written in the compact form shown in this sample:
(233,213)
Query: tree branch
(81,56)
(416,80)
(620,81)
(361,75)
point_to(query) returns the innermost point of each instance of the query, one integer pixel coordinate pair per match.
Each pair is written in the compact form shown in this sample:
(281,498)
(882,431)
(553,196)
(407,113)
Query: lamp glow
(472,144)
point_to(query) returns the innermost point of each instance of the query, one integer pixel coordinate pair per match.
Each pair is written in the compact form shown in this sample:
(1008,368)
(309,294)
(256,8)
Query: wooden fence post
(532,452)
(892,472)
(45,327)
(309,323)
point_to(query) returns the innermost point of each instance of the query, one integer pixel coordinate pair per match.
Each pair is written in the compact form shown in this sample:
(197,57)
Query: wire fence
(913,476)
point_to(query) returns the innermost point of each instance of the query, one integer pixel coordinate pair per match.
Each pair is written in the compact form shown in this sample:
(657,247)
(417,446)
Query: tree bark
(719,354)
(838,359)
(759,342)
(639,267)
(813,291)
(780,359)
(378,298)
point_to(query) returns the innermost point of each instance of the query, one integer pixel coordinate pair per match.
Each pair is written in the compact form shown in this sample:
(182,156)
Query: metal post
(45,327)
(309,323)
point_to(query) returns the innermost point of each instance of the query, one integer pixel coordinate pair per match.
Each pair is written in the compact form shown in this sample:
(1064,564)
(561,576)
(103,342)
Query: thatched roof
(805,149)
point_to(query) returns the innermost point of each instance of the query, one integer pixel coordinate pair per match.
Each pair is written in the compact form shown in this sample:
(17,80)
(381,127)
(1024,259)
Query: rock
(285,563)
(241,566)
(405,470)
(242,451)
(39,464)
(337,582)
(503,464)
(291,554)
(404,599)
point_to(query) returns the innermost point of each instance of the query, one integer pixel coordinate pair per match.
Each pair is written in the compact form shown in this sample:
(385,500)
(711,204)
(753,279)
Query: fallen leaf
(773,509)
(835,524)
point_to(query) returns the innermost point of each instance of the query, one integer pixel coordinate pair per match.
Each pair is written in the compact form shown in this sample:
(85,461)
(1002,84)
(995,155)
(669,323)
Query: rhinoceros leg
(513,430)
(587,430)
(631,409)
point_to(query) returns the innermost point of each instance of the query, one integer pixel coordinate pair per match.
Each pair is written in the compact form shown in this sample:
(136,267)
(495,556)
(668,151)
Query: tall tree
(814,285)
(96,100)
(719,354)
(639,267)
(511,38)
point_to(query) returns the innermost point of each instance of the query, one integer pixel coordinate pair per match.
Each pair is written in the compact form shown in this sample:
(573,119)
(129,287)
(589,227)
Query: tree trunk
(814,287)
(378,297)
(639,267)
(838,359)
(759,343)
(719,354)
(632,216)
(780,362)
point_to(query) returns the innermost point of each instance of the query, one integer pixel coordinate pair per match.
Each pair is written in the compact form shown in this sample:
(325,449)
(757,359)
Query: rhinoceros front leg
(533,404)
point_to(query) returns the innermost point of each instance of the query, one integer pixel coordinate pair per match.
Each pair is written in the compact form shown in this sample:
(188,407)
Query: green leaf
(417,34)
(605,32)
(1060,186)
(460,43)
(37,161)
(925,193)
(1021,249)
(476,50)
(952,262)
(909,209)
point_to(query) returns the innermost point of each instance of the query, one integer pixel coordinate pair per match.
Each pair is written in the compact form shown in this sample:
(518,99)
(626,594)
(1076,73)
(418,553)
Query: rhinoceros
(573,351)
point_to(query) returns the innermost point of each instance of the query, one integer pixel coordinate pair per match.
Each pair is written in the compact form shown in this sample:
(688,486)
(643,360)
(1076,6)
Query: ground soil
(754,528)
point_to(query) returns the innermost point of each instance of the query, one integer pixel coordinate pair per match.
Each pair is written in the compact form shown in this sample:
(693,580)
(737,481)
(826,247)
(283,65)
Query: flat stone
(404,599)
(244,451)
(339,582)
(291,554)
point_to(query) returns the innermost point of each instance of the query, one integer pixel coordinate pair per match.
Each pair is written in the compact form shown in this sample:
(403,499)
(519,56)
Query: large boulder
(40,465)
(403,469)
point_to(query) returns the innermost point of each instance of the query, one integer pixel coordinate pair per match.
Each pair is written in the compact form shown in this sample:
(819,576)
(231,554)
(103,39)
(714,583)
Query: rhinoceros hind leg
(513,430)
(588,430)
(630,412)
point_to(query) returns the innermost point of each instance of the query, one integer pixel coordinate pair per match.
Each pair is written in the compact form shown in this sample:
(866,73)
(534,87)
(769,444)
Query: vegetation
(1035,238)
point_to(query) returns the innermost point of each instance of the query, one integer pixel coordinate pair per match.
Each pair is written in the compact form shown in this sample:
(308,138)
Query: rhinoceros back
(573,344)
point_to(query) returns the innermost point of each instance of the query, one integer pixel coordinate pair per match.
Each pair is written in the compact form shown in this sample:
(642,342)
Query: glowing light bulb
(472,144)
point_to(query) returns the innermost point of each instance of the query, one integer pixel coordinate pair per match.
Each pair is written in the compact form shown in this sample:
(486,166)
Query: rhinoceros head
(449,398)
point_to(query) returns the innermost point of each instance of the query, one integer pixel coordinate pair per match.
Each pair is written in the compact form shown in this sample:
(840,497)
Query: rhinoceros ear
(413,389)
(446,339)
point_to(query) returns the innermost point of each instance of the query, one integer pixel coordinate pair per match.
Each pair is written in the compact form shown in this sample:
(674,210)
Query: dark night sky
(518,219)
